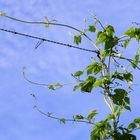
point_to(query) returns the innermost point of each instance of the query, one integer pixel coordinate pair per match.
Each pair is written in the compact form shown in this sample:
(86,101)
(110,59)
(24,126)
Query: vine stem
(52,23)
(49,115)
(57,118)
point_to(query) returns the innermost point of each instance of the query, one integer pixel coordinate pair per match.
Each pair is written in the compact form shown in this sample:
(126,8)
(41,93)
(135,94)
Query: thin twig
(57,118)
(49,115)
(52,23)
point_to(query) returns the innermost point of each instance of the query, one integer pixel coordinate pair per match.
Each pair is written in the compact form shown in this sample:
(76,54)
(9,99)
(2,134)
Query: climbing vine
(106,72)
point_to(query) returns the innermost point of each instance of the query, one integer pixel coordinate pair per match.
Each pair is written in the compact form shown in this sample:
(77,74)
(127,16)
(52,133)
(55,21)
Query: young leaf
(2,14)
(78,117)
(137,120)
(58,85)
(91,114)
(128,77)
(91,28)
(51,87)
(126,43)
(100,131)
(131,126)
(136,61)
(76,87)
(98,83)
(77,39)
(87,85)
(117,75)
(130,32)
(79,73)
(94,67)
(109,117)
(127,108)
(62,120)
(101,37)
(109,30)
(47,24)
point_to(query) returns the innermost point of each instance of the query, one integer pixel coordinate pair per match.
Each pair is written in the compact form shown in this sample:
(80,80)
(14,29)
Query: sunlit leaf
(91,28)
(98,83)
(62,120)
(128,77)
(137,120)
(101,37)
(126,43)
(78,117)
(92,114)
(130,32)
(79,73)
(135,61)
(76,87)
(87,85)
(110,30)
(77,39)
(51,87)
(132,126)
(94,68)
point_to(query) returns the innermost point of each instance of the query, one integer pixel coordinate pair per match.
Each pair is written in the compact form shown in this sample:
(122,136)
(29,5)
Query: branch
(63,120)
(49,115)
(127,59)
(52,87)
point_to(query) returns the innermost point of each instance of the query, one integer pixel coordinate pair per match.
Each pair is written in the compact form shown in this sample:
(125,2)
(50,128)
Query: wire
(47,40)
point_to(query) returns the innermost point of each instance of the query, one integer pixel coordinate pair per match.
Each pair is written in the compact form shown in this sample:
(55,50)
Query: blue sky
(51,63)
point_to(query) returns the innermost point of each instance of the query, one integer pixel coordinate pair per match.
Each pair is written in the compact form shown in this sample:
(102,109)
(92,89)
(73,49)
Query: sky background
(51,63)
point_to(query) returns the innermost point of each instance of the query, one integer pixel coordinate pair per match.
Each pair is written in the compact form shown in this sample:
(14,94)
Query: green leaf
(78,117)
(121,92)
(136,61)
(109,30)
(127,100)
(107,80)
(62,120)
(87,85)
(98,83)
(116,108)
(76,87)
(101,37)
(2,14)
(128,77)
(47,24)
(79,73)
(91,28)
(51,87)
(58,85)
(131,126)
(100,131)
(137,120)
(119,97)
(91,114)
(77,39)
(94,67)
(127,136)
(117,75)
(127,107)
(110,117)
(110,42)
(126,42)
(130,32)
